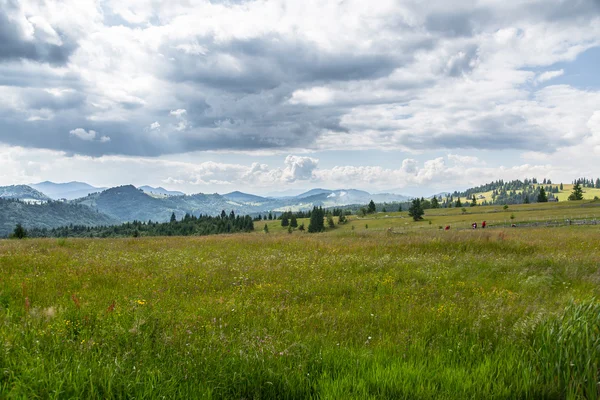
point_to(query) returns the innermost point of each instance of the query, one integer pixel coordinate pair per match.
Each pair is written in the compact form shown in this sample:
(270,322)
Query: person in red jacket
(483,225)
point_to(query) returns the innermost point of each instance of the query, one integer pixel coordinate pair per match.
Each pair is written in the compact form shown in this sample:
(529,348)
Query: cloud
(83,134)
(178,113)
(88,136)
(307,78)
(299,168)
(409,165)
(548,75)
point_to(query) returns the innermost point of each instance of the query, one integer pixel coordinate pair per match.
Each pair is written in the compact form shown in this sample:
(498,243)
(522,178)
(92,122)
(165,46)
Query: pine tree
(400,208)
(19,232)
(435,203)
(330,221)
(266,229)
(577,193)
(473,201)
(371,208)
(416,210)
(597,183)
(542,197)
(561,187)
(284,220)
(293,221)
(458,203)
(316,223)
(173,217)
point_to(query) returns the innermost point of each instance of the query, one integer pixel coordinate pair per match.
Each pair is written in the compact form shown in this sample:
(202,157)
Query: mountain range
(98,206)
(67,191)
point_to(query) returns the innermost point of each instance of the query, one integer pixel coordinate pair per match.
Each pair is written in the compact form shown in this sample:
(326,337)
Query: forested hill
(48,215)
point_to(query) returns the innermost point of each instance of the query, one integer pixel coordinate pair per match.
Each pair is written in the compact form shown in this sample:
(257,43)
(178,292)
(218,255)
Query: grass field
(494,314)
(495,216)
(563,195)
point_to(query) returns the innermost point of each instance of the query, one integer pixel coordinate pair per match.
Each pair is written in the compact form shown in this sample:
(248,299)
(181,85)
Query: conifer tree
(293,221)
(19,232)
(577,193)
(416,210)
(371,208)
(316,223)
(542,197)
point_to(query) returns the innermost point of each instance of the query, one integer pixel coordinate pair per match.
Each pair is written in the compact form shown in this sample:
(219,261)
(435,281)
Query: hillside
(22,192)
(126,203)
(68,191)
(48,215)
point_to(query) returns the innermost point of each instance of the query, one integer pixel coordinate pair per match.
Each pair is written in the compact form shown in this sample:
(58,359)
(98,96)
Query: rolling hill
(52,214)
(22,192)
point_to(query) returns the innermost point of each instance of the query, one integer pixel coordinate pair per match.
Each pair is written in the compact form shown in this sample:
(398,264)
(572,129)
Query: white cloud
(83,134)
(88,136)
(154,126)
(316,96)
(548,75)
(299,168)
(178,113)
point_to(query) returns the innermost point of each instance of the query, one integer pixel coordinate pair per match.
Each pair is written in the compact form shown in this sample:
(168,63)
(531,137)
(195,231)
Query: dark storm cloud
(14,46)
(264,63)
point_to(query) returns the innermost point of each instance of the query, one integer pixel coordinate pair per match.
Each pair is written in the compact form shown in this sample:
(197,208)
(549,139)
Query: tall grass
(496,315)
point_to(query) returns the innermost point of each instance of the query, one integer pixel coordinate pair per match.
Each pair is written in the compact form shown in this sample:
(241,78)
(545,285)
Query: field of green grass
(563,195)
(350,313)
(495,217)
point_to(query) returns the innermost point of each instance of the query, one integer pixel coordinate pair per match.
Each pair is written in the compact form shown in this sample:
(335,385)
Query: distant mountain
(68,191)
(48,215)
(160,191)
(126,203)
(313,192)
(245,198)
(22,192)
(341,197)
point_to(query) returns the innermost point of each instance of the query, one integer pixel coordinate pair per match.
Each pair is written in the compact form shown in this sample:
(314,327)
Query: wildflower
(141,302)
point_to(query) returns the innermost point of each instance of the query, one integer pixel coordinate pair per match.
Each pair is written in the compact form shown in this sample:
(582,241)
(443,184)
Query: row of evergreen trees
(588,183)
(189,225)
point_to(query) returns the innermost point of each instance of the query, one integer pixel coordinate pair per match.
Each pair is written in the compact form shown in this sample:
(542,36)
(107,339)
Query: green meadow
(411,312)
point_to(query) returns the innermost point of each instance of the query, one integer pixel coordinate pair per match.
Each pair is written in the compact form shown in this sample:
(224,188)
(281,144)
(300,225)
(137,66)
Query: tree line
(189,225)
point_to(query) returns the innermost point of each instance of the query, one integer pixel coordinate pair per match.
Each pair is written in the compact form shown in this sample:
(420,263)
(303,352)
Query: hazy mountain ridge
(128,203)
(22,192)
(160,191)
(68,190)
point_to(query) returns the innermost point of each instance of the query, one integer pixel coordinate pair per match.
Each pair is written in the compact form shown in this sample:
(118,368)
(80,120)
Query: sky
(280,96)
